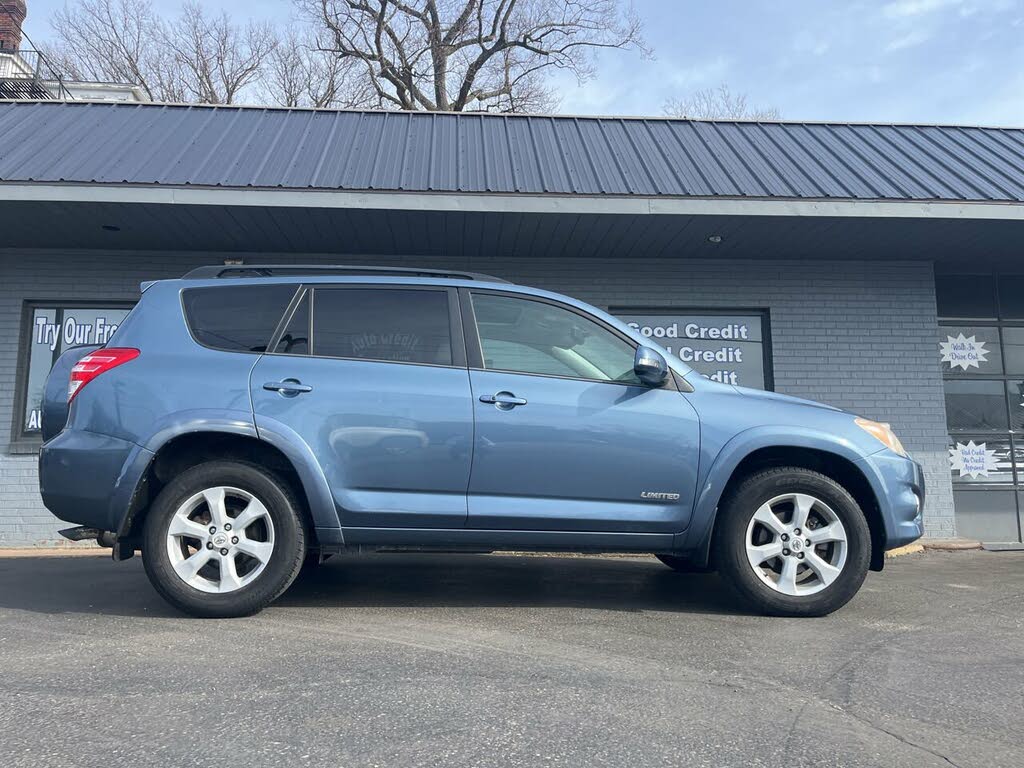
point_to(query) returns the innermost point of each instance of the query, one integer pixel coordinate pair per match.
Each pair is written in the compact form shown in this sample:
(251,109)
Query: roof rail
(295,270)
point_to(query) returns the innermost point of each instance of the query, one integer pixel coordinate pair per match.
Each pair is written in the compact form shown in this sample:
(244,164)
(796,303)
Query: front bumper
(899,487)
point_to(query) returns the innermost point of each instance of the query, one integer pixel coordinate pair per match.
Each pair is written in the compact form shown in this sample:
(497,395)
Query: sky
(912,61)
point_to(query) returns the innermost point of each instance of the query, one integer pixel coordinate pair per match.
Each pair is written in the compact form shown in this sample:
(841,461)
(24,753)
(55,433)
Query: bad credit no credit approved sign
(726,347)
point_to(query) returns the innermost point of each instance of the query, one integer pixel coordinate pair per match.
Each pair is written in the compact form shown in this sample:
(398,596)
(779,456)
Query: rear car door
(373,378)
(566,437)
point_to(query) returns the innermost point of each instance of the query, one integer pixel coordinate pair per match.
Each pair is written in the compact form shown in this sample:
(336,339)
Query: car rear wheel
(792,542)
(223,539)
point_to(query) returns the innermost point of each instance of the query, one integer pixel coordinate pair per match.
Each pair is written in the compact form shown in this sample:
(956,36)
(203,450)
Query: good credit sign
(728,348)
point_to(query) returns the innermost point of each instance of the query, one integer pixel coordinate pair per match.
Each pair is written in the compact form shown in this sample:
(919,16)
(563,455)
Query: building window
(727,346)
(981,349)
(48,330)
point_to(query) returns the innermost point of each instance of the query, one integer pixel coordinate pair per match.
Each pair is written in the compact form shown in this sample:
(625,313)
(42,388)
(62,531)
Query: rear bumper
(88,478)
(900,490)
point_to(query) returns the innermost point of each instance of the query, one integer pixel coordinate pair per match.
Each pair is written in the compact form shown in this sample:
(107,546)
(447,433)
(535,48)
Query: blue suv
(245,421)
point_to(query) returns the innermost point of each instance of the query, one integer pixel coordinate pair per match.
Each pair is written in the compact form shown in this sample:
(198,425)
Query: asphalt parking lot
(473,660)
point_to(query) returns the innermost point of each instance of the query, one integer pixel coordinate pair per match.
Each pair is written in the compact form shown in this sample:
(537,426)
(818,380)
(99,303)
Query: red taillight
(95,363)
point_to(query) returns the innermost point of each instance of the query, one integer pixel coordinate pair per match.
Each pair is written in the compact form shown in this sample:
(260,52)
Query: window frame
(454,322)
(1015,438)
(23,442)
(1004,378)
(474,347)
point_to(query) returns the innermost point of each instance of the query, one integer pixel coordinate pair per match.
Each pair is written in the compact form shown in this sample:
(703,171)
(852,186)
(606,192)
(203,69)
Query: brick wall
(859,335)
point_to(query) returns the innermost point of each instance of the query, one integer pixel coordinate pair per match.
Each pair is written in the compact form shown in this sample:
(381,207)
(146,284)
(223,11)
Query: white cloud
(700,75)
(809,43)
(904,9)
(911,39)
(589,98)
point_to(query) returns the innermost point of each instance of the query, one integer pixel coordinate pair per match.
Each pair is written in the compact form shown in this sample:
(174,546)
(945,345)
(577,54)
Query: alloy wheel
(220,539)
(796,544)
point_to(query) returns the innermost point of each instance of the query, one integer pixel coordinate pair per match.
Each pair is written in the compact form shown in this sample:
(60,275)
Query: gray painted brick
(859,335)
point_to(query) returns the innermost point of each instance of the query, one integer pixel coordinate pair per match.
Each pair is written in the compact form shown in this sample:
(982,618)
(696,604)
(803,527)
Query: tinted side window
(536,337)
(392,325)
(238,318)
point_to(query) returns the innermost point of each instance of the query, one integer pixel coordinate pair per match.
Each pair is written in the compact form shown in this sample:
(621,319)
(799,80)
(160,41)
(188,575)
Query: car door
(566,436)
(372,377)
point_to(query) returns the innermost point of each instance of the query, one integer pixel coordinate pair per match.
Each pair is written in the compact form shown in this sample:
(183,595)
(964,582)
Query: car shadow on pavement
(465,580)
(96,585)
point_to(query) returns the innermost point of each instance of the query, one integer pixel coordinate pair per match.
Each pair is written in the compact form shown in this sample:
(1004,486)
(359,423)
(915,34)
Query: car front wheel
(792,542)
(223,539)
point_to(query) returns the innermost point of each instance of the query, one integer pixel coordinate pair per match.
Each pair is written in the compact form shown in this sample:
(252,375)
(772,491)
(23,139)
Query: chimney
(12,16)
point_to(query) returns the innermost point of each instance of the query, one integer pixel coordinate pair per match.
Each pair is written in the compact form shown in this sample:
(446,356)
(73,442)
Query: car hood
(760,394)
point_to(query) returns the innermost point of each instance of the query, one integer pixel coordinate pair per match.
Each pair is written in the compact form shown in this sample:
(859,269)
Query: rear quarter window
(237,318)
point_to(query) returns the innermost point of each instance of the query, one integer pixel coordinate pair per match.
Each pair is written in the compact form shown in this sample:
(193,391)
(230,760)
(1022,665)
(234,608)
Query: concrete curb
(951,545)
(52,551)
(909,549)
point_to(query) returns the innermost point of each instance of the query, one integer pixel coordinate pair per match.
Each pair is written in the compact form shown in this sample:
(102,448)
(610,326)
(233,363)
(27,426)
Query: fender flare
(318,491)
(314,483)
(696,540)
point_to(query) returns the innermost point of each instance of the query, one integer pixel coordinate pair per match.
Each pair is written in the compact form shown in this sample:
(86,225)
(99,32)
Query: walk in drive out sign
(728,348)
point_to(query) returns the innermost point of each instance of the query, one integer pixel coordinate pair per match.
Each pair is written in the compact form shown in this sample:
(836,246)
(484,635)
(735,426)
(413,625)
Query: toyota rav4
(243,421)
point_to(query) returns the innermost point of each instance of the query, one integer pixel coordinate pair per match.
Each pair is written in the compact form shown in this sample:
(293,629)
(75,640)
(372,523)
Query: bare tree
(217,57)
(300,72)
(193,57)
(115,41)
(472,54)
(718,104)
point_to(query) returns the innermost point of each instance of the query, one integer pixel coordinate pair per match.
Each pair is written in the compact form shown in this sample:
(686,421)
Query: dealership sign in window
(728,347)
(51,330)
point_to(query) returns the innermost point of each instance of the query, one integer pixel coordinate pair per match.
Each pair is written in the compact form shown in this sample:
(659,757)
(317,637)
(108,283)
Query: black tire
(281,568)
(683,565)
(729,548)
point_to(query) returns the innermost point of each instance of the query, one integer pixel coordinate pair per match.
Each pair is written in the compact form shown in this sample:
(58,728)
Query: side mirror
(650,367)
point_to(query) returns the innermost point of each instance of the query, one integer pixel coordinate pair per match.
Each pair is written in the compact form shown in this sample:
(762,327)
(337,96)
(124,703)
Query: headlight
(883,433)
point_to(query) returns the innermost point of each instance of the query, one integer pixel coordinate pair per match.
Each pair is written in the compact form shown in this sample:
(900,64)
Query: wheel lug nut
(213,529)
(227,526)
(785,552)
(209,545)
(234,539)
(785,537)
(808,542)
(796,532)
(224,551)
(801,555)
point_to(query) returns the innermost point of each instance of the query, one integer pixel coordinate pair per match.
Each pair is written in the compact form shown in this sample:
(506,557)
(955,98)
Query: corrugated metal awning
(249,147)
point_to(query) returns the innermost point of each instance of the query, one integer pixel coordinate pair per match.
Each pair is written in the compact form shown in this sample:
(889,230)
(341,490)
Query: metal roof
(249,147)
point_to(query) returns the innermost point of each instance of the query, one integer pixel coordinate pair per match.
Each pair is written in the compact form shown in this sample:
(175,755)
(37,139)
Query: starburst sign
(964,351)
(973,460)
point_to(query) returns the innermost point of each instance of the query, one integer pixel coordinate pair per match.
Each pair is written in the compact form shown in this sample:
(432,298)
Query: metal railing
(28,74)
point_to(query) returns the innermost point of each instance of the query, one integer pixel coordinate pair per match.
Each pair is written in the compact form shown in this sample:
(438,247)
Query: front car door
(373,378)
(566,436)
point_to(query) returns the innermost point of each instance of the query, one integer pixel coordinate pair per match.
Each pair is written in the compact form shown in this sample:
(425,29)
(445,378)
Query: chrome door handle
(288,387)
(506,401)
